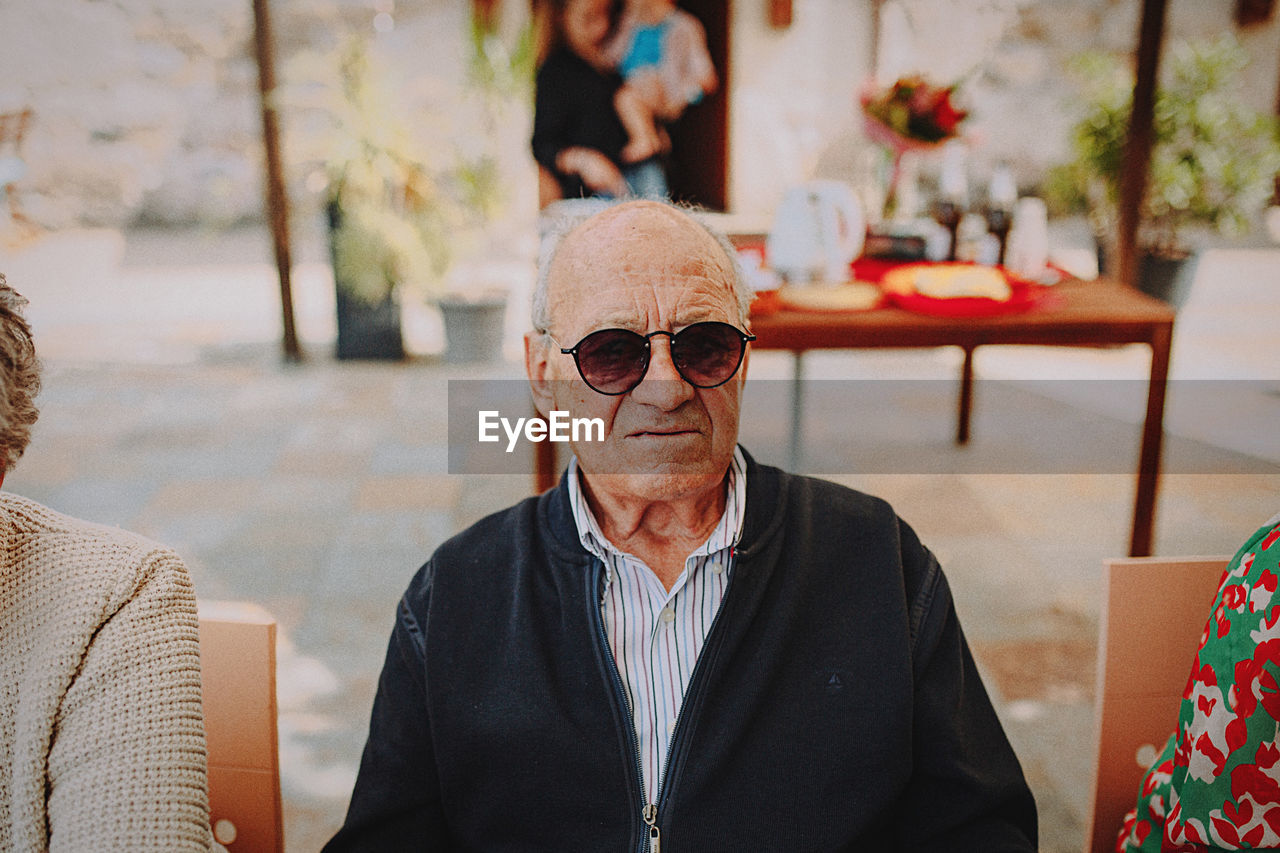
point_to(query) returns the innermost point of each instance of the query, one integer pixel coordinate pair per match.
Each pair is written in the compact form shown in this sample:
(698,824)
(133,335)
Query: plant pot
(1167,278)
(473,327)
(369,330)
(365,329)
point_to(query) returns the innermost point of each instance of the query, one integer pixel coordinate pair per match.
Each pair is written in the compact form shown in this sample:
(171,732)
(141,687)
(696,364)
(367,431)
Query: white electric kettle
(817,231)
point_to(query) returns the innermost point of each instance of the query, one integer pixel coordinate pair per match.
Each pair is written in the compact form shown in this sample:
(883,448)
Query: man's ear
(538,366)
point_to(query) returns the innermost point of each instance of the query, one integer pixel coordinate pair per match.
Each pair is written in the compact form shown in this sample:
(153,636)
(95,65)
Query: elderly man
(677,649)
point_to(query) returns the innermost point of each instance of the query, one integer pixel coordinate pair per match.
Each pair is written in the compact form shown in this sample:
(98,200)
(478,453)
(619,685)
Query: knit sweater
(101,729)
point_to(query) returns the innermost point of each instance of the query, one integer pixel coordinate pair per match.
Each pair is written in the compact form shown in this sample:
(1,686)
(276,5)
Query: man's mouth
(662,433)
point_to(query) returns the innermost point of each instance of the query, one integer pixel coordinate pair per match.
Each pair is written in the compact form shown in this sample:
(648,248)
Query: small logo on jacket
(833,681)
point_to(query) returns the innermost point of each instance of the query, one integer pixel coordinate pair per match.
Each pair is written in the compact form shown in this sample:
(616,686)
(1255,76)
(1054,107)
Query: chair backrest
(13,129)
(238,662)
(1160,606)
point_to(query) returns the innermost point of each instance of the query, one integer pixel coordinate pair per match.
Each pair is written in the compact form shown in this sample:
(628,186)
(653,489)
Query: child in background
(661,52)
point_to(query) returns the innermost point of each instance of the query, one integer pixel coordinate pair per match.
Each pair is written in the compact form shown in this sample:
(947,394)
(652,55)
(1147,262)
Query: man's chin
(651,454)
(661,483)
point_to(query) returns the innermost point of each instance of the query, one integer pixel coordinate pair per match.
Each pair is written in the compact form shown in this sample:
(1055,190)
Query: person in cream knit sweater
(101,728)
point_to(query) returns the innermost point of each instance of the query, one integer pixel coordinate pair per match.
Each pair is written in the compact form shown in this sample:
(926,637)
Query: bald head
(637,242)
(651,269)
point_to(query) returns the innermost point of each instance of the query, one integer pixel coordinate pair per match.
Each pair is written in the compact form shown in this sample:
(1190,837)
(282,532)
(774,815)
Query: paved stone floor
(316,489)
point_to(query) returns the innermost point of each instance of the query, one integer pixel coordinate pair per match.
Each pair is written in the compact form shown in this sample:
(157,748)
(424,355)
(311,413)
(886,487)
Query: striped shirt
(656,634)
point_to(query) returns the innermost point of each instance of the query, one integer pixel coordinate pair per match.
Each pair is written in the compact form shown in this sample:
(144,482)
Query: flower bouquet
(910,115)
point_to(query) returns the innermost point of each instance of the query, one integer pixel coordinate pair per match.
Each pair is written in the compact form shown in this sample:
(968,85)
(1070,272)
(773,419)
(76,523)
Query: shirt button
(668,615)
(716,568)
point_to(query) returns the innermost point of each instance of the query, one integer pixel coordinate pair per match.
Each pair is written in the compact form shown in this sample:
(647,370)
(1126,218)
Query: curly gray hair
(20,374)
(562,217)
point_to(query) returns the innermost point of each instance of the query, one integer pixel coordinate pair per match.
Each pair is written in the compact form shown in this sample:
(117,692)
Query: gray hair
(562,217)
(20,374)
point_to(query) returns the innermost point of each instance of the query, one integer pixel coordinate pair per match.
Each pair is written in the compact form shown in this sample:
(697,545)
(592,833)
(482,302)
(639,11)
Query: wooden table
(1081,314)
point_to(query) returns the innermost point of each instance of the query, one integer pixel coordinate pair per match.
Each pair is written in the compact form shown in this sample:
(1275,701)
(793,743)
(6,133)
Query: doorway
(698,167)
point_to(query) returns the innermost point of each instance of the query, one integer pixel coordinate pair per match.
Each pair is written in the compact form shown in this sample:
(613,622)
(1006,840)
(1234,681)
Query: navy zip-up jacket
(834,707)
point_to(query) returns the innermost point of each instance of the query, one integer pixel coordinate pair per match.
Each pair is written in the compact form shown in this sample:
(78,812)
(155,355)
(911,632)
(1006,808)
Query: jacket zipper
(650,814)
(676,747)
(651,839)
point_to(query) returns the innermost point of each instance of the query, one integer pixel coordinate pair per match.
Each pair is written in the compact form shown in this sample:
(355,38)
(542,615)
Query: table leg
(544,474)
(1144,505)
(966,397)
(797,403)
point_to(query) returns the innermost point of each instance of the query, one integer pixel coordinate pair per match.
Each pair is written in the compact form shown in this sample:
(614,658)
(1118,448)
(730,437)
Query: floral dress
(1216,785)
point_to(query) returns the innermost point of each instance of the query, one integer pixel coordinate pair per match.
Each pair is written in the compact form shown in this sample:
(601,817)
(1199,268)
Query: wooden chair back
(1153,612)
(238,662)
(13,130)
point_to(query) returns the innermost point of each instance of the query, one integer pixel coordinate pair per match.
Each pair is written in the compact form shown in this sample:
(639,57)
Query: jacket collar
(765,513)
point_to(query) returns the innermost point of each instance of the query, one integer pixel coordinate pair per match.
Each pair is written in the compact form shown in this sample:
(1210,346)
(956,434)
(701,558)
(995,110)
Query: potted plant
(402,205)
(386,214)
(1213,158)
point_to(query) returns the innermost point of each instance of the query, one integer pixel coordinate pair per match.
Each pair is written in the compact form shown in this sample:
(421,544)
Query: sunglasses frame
(743,339)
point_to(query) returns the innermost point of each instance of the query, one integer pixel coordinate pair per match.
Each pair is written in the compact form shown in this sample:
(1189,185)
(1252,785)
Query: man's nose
(662,386)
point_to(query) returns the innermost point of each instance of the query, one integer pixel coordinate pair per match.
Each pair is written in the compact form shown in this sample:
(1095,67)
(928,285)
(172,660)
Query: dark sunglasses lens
(707,354)
(612,360)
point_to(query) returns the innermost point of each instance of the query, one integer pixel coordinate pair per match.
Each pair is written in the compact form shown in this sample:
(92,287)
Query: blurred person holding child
(661,52)
(578,137)
(102,741)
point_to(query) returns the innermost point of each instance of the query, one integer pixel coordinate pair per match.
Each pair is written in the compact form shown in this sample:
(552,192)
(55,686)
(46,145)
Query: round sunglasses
(614,361)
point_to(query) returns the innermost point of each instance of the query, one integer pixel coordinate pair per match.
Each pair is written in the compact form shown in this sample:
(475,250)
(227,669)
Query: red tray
(1024,296)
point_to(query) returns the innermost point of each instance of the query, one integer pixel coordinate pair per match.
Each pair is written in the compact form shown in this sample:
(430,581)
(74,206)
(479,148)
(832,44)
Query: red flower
(914,109)
(1249,779)
(1272,817)
(946,116)
(1224,623)
(1237,734)
(1206,748)
(1225,831)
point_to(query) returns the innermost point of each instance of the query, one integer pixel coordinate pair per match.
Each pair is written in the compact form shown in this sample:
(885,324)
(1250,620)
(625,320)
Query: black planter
(365,329)
(1167,278)
(368,330)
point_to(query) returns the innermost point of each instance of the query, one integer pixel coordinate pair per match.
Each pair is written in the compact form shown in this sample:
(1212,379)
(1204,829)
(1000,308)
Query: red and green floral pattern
(1216,785)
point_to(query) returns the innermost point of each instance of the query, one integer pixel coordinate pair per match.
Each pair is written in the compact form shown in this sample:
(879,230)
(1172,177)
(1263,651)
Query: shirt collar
(726,533)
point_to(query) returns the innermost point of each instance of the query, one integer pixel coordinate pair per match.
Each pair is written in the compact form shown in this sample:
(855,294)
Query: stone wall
(146,110)
(142,109)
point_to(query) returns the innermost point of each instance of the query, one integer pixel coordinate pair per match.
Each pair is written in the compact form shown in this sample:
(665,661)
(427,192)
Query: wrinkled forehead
(644,244)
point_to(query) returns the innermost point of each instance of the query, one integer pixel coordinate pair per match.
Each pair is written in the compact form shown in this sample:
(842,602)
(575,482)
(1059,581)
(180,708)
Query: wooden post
(1275,197)
(877,15)
(277,201)
(1137,147)
(779,14)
